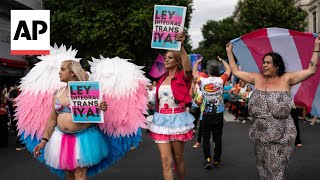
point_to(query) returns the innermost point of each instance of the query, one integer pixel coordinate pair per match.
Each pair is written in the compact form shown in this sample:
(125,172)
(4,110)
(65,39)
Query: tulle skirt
(171,127)
(89,148)
(68,151)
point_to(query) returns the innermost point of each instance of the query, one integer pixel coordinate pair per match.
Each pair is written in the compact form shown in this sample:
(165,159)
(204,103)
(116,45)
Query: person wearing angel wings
(78,150)
(61,133)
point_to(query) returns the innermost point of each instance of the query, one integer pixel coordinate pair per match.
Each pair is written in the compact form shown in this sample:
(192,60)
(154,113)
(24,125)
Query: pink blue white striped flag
(157,69)
(296,50)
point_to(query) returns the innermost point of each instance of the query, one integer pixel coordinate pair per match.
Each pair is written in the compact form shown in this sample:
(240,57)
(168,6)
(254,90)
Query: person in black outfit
(295,117)
(212,93)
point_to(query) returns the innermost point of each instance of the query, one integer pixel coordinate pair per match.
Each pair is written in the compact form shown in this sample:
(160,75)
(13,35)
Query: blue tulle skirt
(90,148)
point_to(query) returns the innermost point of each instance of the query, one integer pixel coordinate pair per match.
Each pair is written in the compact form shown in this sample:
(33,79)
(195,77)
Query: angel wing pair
(127,102)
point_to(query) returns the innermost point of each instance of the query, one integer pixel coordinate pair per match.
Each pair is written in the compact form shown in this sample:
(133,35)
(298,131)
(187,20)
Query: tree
(257,14)
(216,35)
(111,28)
(252,15)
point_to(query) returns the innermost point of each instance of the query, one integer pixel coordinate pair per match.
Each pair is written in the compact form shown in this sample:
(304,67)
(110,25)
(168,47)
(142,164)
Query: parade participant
(172,126)
(78,150)
(68,138)
(273,132)
(212,122)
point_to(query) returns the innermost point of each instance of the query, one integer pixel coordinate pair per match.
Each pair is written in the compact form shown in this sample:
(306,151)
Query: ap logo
(30,32)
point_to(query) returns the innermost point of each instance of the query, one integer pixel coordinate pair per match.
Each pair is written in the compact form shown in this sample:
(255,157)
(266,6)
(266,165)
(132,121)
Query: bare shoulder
(57,91)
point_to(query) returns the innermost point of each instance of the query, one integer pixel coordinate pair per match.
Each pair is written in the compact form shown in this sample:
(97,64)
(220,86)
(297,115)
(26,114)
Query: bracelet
(316,51)
(45,139)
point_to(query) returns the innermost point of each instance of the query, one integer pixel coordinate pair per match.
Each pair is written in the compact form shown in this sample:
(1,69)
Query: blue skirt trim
(173,120)
(117,148)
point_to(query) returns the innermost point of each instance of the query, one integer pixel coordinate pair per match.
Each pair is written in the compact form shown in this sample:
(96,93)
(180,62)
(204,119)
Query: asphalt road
(143,163)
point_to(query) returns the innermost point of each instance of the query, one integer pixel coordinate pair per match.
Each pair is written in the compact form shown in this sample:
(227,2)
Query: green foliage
(111,28)
(253,15)
(257,14)
(216,35)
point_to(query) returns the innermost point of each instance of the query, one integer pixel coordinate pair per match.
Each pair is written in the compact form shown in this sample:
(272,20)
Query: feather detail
(123,87)
(34,104)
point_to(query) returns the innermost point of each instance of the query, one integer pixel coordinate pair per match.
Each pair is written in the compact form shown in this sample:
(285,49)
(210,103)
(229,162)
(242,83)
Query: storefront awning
(21,64)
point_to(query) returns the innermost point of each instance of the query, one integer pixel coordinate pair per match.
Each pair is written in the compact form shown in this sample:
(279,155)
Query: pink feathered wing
(125,115)
(33,112)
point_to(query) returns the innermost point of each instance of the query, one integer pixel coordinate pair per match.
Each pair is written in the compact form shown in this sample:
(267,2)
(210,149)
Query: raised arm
(195,68)
(186,64)
(245,76)
(298,76)
(226,65)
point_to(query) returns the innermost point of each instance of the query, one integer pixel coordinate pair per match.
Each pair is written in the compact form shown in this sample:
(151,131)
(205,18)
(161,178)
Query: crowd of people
(8,124)
(180,101)
(274,130)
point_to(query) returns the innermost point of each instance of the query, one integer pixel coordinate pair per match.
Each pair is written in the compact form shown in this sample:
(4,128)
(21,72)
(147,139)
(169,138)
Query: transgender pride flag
(296,49)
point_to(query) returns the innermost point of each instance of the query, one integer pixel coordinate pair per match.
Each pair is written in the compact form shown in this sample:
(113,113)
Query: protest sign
(168,21)
(84,101)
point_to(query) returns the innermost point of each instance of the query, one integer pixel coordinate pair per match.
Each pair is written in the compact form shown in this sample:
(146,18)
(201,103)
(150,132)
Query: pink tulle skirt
(171,137)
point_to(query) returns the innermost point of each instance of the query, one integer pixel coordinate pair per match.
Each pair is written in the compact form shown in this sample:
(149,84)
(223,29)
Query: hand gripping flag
(296,51)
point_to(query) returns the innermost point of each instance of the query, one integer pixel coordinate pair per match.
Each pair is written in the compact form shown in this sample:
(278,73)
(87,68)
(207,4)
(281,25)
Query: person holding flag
(273,131)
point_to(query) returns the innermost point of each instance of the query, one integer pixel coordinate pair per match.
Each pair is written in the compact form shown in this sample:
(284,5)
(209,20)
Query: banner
(157,69)
(84,101)
(168,21)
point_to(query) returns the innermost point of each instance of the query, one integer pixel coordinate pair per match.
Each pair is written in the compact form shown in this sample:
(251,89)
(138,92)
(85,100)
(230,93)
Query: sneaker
(207,163)
(20,148)
(244,121)
(217,164)
(299,145)
(196,145)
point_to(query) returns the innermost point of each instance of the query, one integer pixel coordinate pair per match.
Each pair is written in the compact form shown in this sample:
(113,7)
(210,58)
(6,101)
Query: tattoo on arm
(313,64)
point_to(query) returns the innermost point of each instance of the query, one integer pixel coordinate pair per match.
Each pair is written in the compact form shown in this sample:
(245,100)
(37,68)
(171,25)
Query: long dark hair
(277,62)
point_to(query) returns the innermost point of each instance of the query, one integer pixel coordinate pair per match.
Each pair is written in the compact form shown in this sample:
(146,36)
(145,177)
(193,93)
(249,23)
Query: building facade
(312,7)
(12,67)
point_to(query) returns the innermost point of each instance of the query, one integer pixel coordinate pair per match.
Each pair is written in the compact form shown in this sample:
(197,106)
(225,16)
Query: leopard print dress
(273,132)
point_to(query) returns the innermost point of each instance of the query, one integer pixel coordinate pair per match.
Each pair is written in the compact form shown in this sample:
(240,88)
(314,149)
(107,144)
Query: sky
(208,10)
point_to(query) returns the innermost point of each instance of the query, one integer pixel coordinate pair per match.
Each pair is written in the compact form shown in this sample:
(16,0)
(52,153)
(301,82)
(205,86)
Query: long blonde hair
(75,67)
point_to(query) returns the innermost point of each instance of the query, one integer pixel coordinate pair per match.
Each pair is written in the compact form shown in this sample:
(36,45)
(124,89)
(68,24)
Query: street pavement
(143,163)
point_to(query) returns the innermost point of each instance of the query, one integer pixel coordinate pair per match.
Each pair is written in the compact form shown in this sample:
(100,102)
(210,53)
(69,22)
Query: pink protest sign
(168,21)
(84,101)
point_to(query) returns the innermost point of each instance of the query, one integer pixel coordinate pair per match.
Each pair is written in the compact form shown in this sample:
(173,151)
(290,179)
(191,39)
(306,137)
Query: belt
(171,110)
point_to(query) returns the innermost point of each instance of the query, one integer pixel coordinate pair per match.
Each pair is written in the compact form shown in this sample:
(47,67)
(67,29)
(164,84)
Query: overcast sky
(208,10)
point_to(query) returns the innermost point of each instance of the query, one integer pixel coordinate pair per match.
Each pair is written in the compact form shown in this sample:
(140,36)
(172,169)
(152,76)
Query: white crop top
(166,97)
